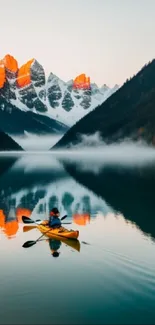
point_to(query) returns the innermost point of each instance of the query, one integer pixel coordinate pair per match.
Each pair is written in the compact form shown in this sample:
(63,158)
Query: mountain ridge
(28,89)
(127,114)
(15,121)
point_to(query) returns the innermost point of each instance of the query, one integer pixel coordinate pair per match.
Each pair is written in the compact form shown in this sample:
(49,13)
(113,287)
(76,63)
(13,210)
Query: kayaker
(54,221)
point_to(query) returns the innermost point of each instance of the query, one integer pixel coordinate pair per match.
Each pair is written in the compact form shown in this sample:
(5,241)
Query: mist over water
(31,142)
(86,141)
(125,154)
(92,158)
(90,154)
(92,148)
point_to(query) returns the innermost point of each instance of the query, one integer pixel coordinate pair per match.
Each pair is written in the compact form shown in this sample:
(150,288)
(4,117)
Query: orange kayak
(58,232)
(74,243)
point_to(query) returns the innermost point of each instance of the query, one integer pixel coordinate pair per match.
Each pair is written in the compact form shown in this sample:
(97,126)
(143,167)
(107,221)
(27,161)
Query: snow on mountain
(66,102)
(69,104)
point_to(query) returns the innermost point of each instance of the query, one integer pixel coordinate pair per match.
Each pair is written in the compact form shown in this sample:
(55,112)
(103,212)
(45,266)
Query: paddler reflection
(54,247)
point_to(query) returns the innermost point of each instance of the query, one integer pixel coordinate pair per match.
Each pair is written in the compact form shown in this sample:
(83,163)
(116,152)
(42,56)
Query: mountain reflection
(9,223)
(33,185)
(129,191)
(31,189)
(81,219)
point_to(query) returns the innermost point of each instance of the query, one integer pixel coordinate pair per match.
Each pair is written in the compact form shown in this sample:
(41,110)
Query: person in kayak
(54,221)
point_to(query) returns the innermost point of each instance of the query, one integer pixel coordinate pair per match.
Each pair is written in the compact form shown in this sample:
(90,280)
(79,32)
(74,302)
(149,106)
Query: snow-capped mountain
(66,102)
(20,104)
(71,104)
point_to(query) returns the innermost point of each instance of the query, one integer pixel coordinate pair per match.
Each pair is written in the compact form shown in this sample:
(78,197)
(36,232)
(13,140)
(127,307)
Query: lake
(108,275)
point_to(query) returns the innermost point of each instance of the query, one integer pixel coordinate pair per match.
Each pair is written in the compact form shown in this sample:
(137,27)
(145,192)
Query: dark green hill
(15,121)
(8,144)
(128,113)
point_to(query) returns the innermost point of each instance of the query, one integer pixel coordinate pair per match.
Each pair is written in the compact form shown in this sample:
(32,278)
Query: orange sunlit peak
(2,75)
(81,82)
(10,63)
(24,74)
(1,63)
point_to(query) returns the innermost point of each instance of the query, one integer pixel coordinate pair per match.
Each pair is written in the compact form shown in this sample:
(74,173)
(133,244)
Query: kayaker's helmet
(54,211)
(55,254)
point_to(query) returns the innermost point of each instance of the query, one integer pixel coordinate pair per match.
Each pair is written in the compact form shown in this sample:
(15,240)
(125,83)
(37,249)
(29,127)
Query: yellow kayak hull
(74,243)
(57,232)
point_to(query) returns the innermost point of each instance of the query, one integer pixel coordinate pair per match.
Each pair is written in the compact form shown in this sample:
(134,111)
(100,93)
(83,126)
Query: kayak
(74,243)
(57,232)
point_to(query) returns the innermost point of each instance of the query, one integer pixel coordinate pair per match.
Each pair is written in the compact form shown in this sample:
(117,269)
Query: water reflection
(9,223)
(32,189)
(118,264)
(128,190)
(9,228)
(55,245)
(32,185)
(81,219)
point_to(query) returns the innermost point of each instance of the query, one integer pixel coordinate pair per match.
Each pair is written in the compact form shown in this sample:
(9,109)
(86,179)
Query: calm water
(108,277)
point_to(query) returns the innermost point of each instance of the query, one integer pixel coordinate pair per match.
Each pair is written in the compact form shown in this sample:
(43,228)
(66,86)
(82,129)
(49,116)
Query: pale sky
(109,40)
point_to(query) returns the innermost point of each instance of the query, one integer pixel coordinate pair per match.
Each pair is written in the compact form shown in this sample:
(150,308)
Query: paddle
(30,243)
(29,220)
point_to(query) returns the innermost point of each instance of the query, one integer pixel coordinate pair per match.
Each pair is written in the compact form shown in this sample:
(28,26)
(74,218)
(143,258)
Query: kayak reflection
(55,245)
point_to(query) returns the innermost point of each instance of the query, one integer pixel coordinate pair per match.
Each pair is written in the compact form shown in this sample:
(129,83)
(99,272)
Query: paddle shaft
(29,220)
(42,235)
(28,228)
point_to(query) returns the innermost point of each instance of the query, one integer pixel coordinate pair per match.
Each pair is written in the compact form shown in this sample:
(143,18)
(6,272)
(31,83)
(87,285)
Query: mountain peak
(9,66)
(52,76)
(105,87)
(10,63)
(54,79)
(81,82)
(24,78)
(2,75)
(26,87)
